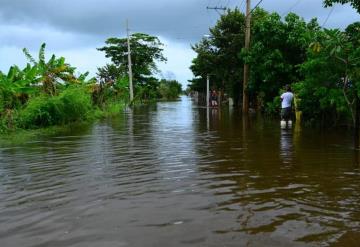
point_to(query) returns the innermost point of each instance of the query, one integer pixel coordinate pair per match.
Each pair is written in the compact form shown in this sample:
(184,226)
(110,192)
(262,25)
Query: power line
(291,8)
(327,18)
(240,7)
(256,6)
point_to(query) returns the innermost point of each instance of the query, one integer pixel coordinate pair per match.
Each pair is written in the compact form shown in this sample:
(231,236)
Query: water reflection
(286,145)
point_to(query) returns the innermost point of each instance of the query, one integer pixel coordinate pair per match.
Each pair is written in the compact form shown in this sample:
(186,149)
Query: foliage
(109,73)
(147,90)
(52,72)
(15,85)
(44,93)
(169,89)
(219,55)
(331,82)
(322,65)
(354,3)
(71,105)
(145,51)
(47,92)
(278,48)
(272,108)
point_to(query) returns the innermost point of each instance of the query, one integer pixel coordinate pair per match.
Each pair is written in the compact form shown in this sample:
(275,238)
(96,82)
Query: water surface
(174,174)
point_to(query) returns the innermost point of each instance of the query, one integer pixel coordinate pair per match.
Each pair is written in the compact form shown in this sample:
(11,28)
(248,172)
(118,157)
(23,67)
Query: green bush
(273,108)
(71,105)
(169,89)
(76,102)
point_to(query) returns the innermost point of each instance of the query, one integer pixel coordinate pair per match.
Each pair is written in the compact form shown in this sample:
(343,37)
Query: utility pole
(129,63)
(245,106)
(207,90)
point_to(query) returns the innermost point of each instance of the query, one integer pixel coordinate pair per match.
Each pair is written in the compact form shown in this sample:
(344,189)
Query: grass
(18,135)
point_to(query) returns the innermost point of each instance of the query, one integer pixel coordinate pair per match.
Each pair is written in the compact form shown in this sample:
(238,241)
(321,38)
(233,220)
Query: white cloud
(86,59)
(179,60)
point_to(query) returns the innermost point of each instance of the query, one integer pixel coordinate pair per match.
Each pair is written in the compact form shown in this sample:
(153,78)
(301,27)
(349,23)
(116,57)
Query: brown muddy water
(171,175)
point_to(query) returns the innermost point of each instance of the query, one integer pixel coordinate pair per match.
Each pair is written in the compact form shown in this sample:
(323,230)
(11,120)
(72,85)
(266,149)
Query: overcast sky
(75,28)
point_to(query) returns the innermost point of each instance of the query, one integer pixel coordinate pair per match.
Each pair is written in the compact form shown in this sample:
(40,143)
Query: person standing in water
(213,98)
(286,104)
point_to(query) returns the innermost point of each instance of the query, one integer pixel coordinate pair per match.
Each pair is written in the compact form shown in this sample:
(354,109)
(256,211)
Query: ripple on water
(168,175)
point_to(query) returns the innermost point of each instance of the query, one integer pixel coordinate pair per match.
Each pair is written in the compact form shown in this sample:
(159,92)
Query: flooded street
(173,174)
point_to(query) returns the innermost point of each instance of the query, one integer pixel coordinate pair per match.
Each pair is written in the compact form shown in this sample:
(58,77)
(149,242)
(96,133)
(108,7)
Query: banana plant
(16,86)
(52,72)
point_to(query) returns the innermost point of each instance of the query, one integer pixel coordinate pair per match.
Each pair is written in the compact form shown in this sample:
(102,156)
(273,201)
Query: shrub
(273,108)
(71,105)
(76,104)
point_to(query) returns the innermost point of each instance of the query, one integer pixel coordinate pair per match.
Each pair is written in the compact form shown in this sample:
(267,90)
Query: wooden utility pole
(129,63)
(245,106)
(207,90)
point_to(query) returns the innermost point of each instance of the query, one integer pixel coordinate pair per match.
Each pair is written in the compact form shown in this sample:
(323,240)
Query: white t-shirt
(286,99)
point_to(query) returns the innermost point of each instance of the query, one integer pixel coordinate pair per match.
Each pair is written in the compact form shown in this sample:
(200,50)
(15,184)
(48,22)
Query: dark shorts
(286,113)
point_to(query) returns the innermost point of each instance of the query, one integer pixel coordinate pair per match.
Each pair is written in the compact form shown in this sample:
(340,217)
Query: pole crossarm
(217,9)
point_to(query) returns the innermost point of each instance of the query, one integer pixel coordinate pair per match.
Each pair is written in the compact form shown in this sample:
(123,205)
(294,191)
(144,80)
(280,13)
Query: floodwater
(174,174)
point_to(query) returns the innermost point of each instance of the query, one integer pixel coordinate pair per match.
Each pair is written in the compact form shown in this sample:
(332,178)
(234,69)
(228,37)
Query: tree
(145,51)
(219,56)
(331,86)
(169,89)
(203,64)
(354,3)
(109,73)
(341,50)
(278,49)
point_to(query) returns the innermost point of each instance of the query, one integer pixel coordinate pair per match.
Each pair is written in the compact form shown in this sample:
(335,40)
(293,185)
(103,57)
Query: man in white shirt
(286,102)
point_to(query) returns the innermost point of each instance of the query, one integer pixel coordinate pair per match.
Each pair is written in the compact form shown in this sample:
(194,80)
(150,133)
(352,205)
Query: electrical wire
(256,6)
(291,8)
(240,7)
(327,18)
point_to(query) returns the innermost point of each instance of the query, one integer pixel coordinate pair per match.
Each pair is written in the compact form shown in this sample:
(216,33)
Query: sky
(75,28)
